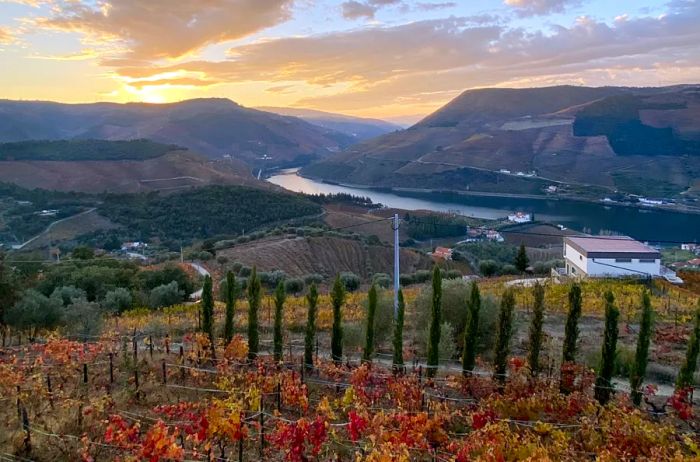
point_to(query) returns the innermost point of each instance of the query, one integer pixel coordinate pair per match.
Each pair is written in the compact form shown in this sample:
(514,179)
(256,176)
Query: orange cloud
(5,36)
(156,29)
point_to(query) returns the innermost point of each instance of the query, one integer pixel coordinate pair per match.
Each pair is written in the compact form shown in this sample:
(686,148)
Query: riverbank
(651,224)
(543,197)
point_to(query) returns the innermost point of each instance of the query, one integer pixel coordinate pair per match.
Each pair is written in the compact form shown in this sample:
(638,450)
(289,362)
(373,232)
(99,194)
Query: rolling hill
(636,140)
(95,166)
(214,127)
(324,255)
(358,128)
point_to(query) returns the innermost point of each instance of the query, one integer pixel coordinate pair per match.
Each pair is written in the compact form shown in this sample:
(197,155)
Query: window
(580,257)
(623,260)
(647,260)
(573,270)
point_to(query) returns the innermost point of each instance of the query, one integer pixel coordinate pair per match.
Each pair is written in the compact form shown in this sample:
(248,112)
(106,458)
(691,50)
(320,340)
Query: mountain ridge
(481,140)
(213,126)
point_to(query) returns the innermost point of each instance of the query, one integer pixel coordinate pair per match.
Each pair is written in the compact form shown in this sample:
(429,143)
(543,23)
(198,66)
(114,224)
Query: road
(48,228)
(202,272)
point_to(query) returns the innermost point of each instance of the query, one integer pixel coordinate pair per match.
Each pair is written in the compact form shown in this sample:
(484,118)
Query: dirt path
(48,228)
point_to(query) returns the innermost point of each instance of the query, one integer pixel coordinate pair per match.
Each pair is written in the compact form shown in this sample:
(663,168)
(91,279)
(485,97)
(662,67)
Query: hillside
(641,141)
(214,127)
(324,255)
(203,212)
(95,166)
(358,128)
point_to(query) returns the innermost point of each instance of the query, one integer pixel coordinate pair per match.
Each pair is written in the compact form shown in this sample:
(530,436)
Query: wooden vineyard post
(19,403)
(136,383)
(262,428)
(27,434)
(240,450)
(302,370)
(49,389)
(150,345)
(279,396)
(85,373)
(167,344)
(111,369)
(165,373)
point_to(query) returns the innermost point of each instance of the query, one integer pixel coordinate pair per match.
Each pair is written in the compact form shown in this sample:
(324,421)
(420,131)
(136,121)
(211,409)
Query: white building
(520,217)
(610,256)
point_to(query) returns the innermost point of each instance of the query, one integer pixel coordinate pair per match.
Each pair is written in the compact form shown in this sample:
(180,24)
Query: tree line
(472,305)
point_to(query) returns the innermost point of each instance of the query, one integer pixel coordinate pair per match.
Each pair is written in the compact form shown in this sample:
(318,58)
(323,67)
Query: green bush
(293,285)
(166,295)
(382,280)
(351,281)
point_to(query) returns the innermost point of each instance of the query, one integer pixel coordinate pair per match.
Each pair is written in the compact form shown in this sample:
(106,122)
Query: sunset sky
(380,58)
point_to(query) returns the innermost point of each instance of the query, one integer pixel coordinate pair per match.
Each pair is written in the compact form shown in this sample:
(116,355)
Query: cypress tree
(371,312)
(521,261)
(312,301)
(536,329)
(337,300)
(571,329)
(471,330)
(505,330)
(436,315)
(208,313)
(603,383)
(280,297)
(641,356)
(685,375)
(231,296)
(398,333)
(254,298)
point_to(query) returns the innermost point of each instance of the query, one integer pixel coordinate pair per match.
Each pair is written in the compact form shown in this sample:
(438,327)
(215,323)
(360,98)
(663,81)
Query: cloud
(353,9)
(541,7)
(427,62)
(157,29)
(5,36)
(357,10)
(435,6)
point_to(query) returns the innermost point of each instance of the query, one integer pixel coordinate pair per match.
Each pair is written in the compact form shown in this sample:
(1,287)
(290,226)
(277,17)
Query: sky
(375,58)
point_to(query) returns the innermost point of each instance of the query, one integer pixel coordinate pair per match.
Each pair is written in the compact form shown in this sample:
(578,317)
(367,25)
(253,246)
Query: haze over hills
(637,140)
(214,127)
(358,128)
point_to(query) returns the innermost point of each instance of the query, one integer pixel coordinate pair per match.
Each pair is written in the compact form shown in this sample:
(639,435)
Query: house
(690,247)
(47,213)
(128,246)
(520,217)
(609,256)
(443,252)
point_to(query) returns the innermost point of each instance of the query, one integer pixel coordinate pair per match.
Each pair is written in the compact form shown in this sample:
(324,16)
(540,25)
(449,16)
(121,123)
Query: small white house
(520,217)
(610,256)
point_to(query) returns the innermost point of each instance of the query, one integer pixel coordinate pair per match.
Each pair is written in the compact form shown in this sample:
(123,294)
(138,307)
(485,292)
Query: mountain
(358,128)
(214,127)
(115,166)
(585,140)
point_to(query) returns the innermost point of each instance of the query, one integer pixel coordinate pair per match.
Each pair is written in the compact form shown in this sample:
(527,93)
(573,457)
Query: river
(653,225)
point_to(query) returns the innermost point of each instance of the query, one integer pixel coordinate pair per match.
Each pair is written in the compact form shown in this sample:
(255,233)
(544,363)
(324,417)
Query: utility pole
(395,226)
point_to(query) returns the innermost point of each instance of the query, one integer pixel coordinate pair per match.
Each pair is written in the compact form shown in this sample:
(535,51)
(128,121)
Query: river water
(652,225)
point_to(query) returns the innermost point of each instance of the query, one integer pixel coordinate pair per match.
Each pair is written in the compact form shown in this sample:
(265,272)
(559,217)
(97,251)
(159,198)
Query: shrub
(382,280)
(118,300)
(83,318)
(294,285)
(351,281)
(165,295)
(488,267)
(313,278)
